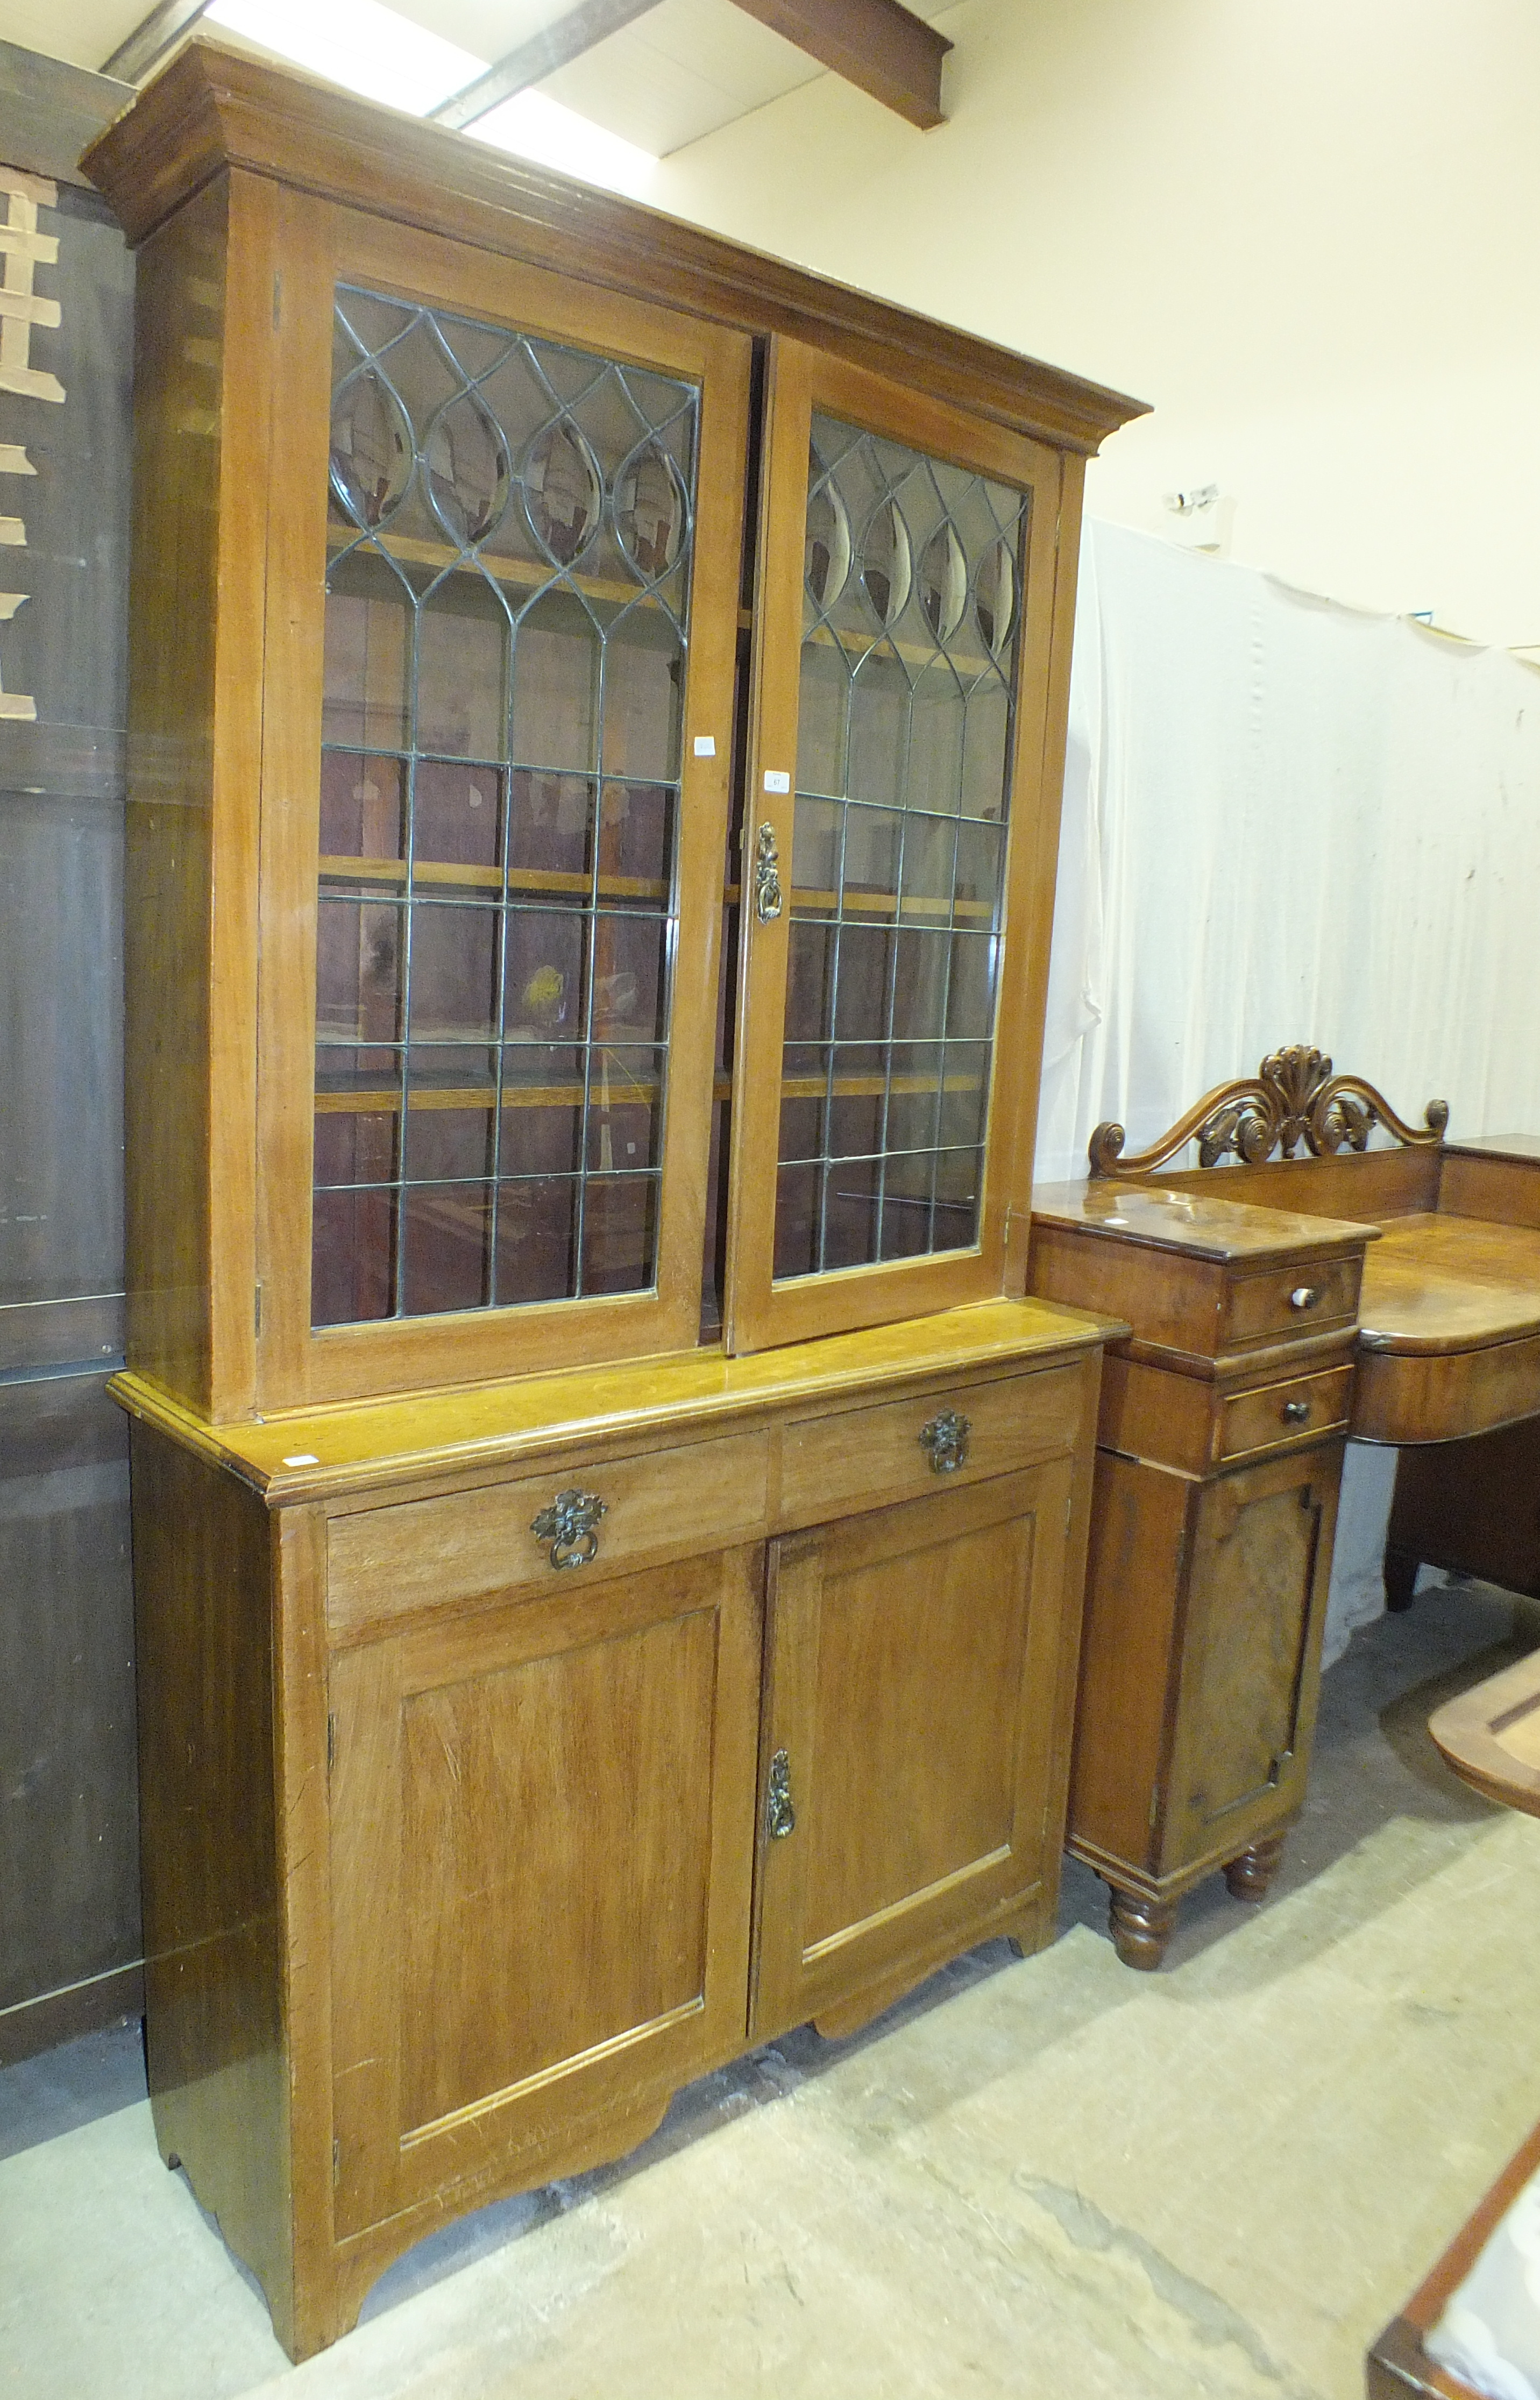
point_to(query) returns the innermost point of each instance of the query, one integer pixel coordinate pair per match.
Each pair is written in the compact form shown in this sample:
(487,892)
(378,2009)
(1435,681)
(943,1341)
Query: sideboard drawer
(1300,1298)
(861,1458)
(1302,1407)
(383,1562)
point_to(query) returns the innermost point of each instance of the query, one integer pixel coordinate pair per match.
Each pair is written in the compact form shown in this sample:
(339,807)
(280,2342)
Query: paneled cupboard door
(895,894)
(542,1823)
(916,1673)
(1260,1564)
(504,537)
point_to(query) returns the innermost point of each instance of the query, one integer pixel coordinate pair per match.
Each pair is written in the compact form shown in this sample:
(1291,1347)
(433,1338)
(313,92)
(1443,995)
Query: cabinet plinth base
(1247,1877)
(1140,1926)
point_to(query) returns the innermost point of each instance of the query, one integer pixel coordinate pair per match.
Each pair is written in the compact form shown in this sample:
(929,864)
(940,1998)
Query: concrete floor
(1034,2177)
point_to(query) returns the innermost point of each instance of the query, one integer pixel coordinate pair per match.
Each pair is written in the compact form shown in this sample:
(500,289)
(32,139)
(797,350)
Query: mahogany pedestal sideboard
(1200,1647)
(1219,1451)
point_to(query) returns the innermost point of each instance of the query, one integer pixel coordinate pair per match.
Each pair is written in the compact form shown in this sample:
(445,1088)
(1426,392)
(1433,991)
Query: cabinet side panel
(179,348)
(1134,1594)
(213,1967)
(1474,1507)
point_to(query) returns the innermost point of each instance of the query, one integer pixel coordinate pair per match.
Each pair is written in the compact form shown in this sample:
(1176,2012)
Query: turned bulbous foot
(1141,1928)
(1248,1876)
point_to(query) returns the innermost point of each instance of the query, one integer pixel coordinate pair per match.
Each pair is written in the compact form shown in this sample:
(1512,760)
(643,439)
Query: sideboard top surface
(1236,1232)
(319,1453)
(215,108)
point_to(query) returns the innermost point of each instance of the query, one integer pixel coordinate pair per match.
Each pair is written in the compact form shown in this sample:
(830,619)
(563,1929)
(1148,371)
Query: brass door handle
(767,874)
(946,1437)
(569,1526)
(779,1815)
(1295,1412)
(1305,1295)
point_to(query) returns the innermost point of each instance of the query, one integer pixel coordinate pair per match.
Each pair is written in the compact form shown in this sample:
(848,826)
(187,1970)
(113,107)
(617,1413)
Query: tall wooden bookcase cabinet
(609,1528)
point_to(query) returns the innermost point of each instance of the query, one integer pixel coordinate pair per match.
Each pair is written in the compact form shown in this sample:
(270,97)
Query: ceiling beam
(579,31)
(151,38)
(877,45)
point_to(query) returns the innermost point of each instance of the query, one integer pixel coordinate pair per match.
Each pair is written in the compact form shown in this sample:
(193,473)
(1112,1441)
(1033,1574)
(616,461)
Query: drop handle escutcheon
(946,1440)
(568,1525)
(1295,1412)
(779,1816)
(767,874)
(1305,1295)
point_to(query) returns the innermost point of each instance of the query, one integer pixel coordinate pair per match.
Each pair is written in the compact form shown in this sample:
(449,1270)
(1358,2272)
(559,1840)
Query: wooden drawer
(863,1457)
(1299,1298)
(1301,1408)
(383,1562)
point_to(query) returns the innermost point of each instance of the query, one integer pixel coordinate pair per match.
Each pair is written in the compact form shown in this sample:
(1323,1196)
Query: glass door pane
(907,684)
(510,552)
(906,614)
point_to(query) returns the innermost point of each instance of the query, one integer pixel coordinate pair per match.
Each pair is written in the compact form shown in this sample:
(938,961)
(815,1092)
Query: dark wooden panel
(42,2024)
(61,1049)
(65,646)
(1473,1507)
(1360,1186)
(48,111)
(69,1866)
(213,2027)
(1504,1188)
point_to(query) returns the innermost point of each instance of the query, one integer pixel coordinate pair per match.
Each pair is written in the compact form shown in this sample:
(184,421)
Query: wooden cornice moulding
(1294,1097)
(214,109)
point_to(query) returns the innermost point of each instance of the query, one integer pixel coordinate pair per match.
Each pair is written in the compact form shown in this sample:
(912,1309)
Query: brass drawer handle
(568,1525)
(767,876)
(779,1816)
(1305,1295)
(946,1437)
(1295,1412)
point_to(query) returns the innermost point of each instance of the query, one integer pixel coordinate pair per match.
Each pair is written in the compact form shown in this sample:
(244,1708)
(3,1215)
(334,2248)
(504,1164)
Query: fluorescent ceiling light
(542,129)
(377,52)
(365,48)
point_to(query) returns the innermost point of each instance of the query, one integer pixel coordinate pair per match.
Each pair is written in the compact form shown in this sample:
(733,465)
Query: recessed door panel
(542,1828)
(913,1695)
(1261,1564)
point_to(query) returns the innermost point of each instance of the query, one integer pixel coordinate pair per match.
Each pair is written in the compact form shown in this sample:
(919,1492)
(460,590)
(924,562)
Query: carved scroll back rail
(1294,1097)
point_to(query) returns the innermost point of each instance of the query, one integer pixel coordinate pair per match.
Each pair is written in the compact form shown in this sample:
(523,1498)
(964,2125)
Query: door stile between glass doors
(898,854)
(491,868)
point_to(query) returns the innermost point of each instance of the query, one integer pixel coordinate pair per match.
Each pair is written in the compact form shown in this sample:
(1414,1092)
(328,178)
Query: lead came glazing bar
(913,569)
(509,537)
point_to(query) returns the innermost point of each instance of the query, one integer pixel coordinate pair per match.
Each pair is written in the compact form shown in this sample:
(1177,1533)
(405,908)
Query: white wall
(1303,232)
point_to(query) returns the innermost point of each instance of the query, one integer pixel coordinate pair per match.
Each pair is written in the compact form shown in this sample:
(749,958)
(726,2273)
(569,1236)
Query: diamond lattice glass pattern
(509,537)
(911,606)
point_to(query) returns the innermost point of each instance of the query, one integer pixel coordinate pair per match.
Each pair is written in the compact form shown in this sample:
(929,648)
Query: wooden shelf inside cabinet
(480,1055)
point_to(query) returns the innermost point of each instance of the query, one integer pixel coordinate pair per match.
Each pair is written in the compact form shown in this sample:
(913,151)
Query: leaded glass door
(522,743)
(894,833)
